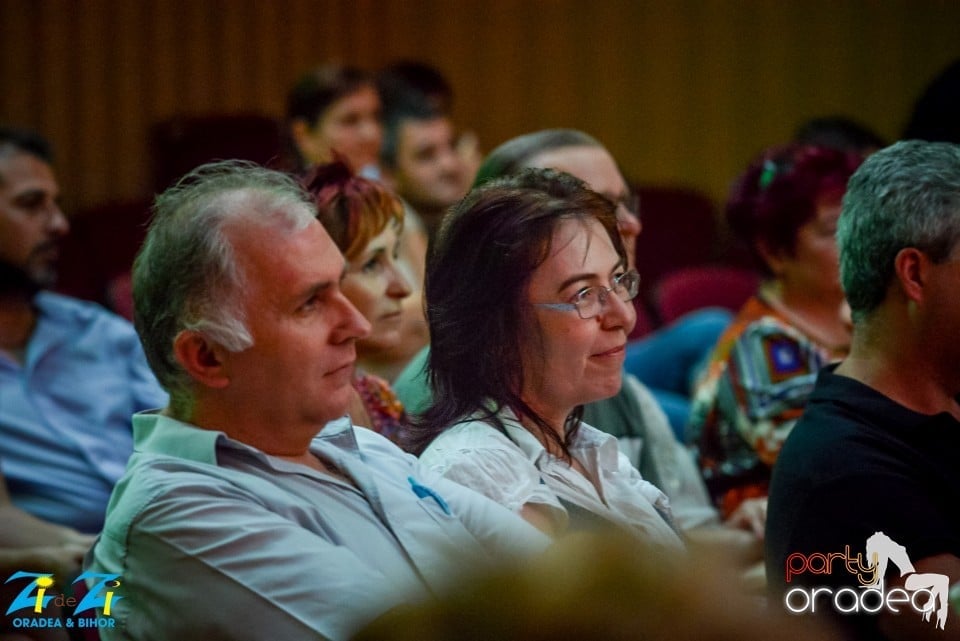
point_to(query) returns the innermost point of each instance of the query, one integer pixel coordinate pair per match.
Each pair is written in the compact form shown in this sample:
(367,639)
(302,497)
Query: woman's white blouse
(514,469)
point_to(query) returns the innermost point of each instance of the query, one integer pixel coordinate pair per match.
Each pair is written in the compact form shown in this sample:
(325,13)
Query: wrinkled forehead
(276,259)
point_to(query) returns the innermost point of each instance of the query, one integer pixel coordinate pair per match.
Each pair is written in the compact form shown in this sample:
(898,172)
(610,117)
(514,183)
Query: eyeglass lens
(591,301)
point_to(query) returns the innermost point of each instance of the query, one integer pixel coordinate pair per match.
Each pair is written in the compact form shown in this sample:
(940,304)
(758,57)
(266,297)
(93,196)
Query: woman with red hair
(365,220)
(785,206)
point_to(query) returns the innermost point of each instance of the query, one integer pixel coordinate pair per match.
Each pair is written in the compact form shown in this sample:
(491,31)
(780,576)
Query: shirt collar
(156,433)
(588,443)
(872,406)
(532,448)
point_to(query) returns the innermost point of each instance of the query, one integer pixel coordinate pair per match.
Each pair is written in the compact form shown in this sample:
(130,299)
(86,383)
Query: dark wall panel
(682,91)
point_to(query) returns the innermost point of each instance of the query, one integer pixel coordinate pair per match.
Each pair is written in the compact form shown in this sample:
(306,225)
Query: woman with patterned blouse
(365,220)
(785,206)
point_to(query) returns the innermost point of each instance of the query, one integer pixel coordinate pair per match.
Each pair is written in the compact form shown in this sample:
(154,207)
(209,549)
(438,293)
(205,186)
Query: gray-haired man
(251,509)
(874,457)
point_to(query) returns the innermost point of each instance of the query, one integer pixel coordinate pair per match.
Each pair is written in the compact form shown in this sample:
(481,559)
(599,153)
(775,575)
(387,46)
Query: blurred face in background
(31,223)
(814,264)
(350,126)
(430,174)
(596,167)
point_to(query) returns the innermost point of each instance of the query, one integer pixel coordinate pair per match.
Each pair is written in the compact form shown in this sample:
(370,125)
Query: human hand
(750,515)
(79,540)
(62,561)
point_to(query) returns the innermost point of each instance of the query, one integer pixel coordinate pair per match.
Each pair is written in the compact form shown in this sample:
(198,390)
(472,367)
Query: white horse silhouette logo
(881,549)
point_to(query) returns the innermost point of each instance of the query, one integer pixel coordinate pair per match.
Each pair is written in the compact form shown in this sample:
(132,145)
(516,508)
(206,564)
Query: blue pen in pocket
(422,491)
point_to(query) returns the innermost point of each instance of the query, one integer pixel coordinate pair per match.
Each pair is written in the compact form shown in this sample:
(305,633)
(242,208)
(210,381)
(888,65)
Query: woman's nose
(398,286)
(617,313)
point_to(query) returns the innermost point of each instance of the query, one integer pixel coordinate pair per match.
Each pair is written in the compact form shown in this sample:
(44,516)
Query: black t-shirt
(858,463)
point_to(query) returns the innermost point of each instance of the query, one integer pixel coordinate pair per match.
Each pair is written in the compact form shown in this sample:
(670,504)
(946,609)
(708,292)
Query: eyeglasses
(590,301)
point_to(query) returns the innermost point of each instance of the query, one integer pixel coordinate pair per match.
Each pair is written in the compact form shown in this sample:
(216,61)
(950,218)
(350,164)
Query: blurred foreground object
(598,587)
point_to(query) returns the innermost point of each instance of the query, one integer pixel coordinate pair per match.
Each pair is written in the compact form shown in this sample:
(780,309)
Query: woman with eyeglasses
(785,206)
(528,294)
(637,415)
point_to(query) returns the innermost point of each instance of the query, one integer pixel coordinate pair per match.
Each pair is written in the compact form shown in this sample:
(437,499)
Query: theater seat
(120,295)
(184,142)
(679,230)
(685,290)
(100,246)
(646,323)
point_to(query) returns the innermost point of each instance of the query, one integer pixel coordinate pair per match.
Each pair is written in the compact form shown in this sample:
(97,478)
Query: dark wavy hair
(353,209)
(781,190)
(479,267)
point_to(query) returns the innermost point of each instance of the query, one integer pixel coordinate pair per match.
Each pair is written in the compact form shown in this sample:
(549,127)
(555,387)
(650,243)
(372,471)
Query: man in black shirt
(869,478)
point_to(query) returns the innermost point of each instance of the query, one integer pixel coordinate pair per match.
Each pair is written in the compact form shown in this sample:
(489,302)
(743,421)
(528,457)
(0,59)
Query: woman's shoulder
(477,454)
(774,341)
(472,433)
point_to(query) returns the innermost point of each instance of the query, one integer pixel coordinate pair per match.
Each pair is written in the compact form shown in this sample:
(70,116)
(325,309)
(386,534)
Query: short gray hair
(906,195)
(186,276)
(515,154)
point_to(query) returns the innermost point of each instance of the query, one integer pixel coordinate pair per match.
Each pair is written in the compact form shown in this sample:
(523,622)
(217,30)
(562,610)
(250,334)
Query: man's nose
(352,323)
(57,222)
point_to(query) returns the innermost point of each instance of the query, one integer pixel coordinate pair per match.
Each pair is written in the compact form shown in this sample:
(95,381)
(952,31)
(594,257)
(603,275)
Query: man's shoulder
(148,478)
(341,438)
(858,463)
(844,421)
(73,315)
(826,442)
(61,306)
(373,443)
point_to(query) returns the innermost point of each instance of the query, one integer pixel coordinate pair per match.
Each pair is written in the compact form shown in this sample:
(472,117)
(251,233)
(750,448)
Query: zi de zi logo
(38,596)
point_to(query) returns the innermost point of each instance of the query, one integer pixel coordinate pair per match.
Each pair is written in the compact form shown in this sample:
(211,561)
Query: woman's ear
(304,140)
(201,358)
(774,258)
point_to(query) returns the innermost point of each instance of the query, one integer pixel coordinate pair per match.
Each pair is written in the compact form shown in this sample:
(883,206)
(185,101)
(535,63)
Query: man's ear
(910,267)
(201,358)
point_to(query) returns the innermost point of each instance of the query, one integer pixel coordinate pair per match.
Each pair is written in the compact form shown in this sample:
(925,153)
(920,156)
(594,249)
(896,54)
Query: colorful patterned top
(752,392)
(385,409)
